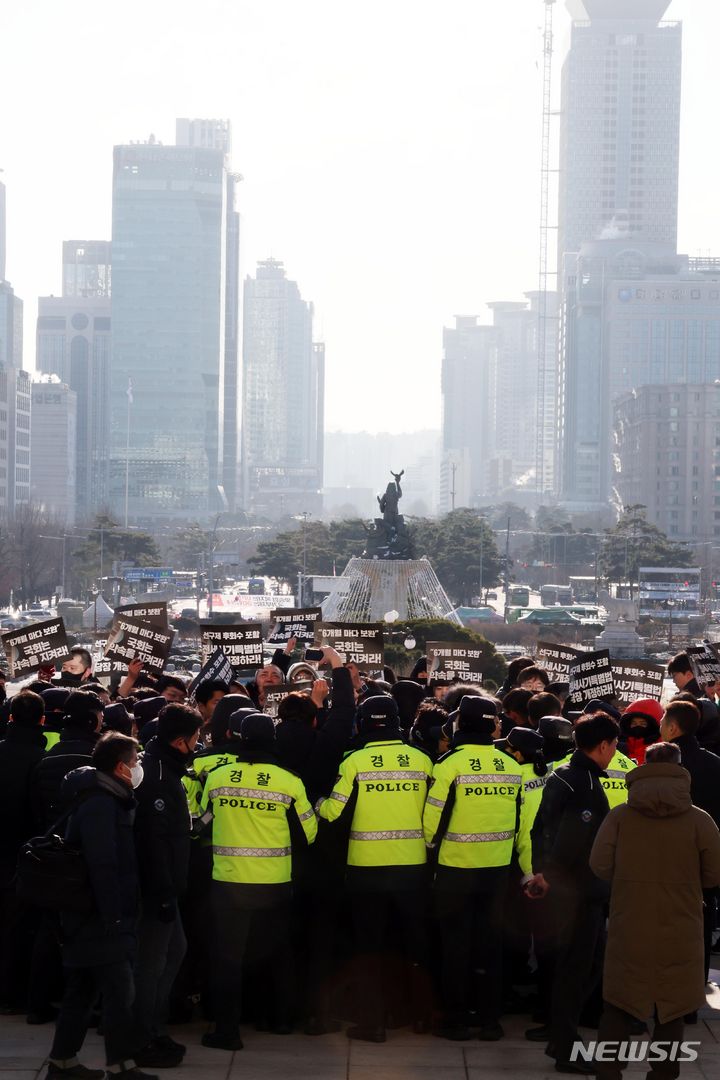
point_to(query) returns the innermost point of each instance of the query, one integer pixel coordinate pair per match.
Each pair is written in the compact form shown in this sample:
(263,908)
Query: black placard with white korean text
(637,679)
(358,643)
(130,639)
(242,643)
(591,676)
(273,696)
(704,663)
(454,661)
(150,612)
(216,667)
(556,660)
(287,623)
(33,647)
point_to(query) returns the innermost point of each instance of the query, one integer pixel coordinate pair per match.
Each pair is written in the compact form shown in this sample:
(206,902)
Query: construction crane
(542,350)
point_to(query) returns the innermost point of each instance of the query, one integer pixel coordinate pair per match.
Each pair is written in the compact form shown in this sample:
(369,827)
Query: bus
(555,594)
(584,589)
(256,586)
(519,596)
(669,591)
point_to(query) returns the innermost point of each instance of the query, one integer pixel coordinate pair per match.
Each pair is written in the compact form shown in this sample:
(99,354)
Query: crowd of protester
(381,853)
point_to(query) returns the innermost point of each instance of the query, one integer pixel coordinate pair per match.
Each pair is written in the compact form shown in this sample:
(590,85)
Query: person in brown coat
(659,852)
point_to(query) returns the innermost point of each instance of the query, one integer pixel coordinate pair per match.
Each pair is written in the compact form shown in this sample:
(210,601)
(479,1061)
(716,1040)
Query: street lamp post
(301,590)
(211,566)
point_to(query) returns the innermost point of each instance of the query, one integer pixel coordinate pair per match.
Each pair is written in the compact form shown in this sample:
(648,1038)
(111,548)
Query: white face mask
(136,775)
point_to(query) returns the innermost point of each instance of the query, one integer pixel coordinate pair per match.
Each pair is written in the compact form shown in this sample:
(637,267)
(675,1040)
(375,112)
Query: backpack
(52,875)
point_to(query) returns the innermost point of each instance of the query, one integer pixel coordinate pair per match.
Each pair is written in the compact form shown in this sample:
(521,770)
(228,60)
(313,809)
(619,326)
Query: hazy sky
(389,148)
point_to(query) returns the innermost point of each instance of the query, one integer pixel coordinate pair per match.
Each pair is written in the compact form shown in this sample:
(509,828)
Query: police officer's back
(471,817)
(382,787)
(259,810)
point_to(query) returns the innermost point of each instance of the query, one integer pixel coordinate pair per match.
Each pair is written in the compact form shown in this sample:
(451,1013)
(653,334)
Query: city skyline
(390,235)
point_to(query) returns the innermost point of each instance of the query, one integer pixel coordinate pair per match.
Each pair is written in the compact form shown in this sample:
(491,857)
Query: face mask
(136,775)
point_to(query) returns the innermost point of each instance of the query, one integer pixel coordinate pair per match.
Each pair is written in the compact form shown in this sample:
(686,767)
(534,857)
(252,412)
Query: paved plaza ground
(333,1057)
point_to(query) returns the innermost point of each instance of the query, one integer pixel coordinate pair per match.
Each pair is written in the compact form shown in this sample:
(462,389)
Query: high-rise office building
(490,398)
(633,317)
(282,400)
(54,448)
(11,326)
(74,343)
(217,135)
(14,391)
(618,208)
(86,269)
(468,414)
(173,224)
(667,457)
(3,227)
(620,124)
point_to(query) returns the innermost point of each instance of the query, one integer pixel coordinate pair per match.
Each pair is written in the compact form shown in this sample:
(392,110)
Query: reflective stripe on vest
(388,834)
(488,778)
(381,774)
(253,852)
(478,837)
(251,793)
(617,774)
(308,814)
(435,802)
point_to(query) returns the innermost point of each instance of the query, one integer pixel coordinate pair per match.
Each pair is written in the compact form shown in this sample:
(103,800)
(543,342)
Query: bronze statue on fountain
(388,537)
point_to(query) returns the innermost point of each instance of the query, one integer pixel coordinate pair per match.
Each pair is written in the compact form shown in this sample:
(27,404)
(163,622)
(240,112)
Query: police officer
(257,809)
(381,788)
(558,745)
(471,816)
(614,781)
(524,745)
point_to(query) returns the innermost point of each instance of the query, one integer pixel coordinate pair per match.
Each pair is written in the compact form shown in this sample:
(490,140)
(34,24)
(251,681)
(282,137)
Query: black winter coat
(314,754)
(102,829)
(20,751)
(162,825)
(572,809)
(704,769)
(73,751)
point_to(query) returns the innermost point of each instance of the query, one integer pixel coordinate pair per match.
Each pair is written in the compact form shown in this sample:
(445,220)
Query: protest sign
(216,667)
(637,679)
(286,623)
(556,659)
(154,613)
(34,646)
(591,677)
(102,666)
(358,643)
(450,661)
(704,663)
(131,639)
(273,697)
(242,644)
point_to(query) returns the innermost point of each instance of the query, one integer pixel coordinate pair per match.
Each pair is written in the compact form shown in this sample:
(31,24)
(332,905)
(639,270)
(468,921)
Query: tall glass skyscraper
(282,405)
(74,343)
(171,211)
(618,208)
(620,124)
